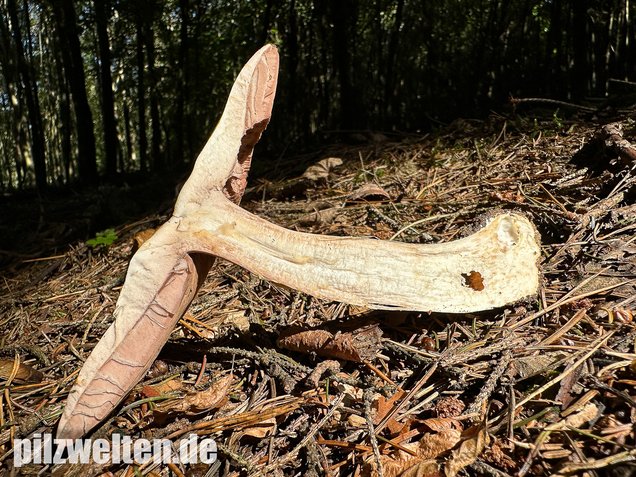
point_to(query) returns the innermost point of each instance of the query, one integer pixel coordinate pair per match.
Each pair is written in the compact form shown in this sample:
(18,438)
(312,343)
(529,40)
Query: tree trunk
(13,87)
(102,14)
(267,18)
(141,97)
(128,135)
(580,69)
(74,67)
(66,124)
(291,41)
(155,141)
(31,96)
(390,102)
(182,149)
(554,50)
(343,15)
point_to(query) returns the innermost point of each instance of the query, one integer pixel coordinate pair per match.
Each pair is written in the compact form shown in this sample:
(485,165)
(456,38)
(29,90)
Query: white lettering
(21,452)
(101,451)
(43,449)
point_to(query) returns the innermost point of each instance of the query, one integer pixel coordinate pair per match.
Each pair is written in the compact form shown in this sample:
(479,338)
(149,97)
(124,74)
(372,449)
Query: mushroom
(495,266)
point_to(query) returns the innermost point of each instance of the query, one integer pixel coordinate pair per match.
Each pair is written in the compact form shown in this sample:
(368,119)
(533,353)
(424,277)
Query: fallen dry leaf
(322,168)
(162,388)
(24,374)
(429,448)
(369,192)
(384,406)
(468,452)
(421,468)
(440,424)
(196,402)
(362,344)
(141,237)
(263,429)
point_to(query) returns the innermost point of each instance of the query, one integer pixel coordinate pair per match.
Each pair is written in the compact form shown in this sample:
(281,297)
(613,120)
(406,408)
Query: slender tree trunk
(580,70)
(391,61)
(343,15)
(554,50)
(102,14)
(141,97)
(155,141)
(74,67)
(292,61)
(13,87)
(31,97)
(128,136)
(267,16)
(66,123)
(182,149)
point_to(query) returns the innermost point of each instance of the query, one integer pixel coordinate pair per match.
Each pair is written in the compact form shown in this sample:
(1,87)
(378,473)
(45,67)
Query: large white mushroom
(495,266)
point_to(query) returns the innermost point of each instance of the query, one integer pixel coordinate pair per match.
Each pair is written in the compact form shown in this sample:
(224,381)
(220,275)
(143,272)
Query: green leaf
(103,239)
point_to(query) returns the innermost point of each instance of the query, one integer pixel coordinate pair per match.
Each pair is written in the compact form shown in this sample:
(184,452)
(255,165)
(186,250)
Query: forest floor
(543,387)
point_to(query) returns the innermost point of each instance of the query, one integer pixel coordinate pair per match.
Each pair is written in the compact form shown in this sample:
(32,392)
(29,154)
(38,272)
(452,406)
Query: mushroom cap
(225,160)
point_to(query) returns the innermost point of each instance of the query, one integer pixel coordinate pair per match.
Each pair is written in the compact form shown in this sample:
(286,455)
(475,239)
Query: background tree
(92,89)
(71,55)
(28,90)
(102,14)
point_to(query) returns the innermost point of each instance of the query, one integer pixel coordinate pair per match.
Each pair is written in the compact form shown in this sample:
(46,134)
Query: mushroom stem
(493,267)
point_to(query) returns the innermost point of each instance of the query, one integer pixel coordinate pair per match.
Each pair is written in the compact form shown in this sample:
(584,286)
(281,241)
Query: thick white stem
(493,267)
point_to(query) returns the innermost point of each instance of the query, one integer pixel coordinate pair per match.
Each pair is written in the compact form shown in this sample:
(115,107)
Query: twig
(291,455)
(368,416)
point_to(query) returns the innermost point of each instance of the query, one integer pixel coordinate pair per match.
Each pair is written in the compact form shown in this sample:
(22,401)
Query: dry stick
(293,453)
(541,440)
(596,345)
(599,342)
(372,433)
(490,384)
(578,316)
(575,468)
(383,423)
(239,420)
(568,298)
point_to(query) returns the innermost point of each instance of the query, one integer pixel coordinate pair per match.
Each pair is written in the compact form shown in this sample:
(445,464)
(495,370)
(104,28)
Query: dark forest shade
(91,89)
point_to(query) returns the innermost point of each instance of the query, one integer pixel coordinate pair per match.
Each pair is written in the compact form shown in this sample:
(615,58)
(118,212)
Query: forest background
(99,90)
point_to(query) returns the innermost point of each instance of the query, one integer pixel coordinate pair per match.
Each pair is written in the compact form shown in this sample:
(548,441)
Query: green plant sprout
(103,239)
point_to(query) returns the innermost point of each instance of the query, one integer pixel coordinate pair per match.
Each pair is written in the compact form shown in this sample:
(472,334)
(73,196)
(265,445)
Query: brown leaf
(196,402)
(162,388)
(25,373)
(441,424)
(468,451)
(384,406)
(262,429)
(429,448)
(359,345)
(141,237)
(369,192)
(565,395)
(434,445)
(421,468)
(322,169)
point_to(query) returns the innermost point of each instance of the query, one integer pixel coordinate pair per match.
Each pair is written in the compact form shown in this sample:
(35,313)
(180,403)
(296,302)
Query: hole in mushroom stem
(473,280)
